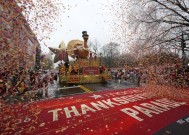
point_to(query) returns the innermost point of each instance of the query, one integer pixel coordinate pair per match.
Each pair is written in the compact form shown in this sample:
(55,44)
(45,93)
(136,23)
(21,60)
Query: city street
(94,67)
(132,109)
(55,90)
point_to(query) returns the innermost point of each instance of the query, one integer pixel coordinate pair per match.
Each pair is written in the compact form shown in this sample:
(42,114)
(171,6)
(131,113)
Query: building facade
(18,44)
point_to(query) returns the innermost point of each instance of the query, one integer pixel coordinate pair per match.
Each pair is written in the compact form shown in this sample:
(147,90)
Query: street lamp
(183,45)
(100,58)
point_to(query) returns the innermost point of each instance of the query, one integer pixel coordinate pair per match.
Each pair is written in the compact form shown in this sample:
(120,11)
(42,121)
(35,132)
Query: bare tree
(125,59)
(94,46)
(157,24)
(110,52)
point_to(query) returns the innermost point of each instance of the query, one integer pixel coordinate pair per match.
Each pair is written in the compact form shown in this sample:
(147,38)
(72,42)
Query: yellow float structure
(86,68)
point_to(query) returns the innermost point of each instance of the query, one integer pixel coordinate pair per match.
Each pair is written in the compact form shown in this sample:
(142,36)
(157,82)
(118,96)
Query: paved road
(57,91)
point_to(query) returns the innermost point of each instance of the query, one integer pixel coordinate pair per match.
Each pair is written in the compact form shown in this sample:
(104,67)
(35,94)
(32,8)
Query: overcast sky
(89,15)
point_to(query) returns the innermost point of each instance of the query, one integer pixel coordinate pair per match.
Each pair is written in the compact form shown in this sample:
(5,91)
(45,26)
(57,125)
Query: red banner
(117,112)
(73,78)
(90,71)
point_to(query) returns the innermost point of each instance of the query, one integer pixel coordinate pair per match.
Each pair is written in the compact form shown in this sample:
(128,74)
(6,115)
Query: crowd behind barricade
(21,81)
(131,76)
(172,75)
(167,75)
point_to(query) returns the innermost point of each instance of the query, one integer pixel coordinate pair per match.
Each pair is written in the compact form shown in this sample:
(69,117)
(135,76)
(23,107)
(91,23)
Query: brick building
(18,44)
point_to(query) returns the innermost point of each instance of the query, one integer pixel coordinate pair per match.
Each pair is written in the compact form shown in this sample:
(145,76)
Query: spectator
(55,77)
(138,75)
(2,87)
(45,88)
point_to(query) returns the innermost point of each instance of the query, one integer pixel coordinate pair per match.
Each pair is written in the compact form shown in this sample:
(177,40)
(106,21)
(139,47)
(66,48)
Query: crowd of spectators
(175,76)
(20,81)
(134,76)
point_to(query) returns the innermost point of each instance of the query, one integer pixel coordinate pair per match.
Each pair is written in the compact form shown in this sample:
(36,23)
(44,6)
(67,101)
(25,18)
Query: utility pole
(183,45)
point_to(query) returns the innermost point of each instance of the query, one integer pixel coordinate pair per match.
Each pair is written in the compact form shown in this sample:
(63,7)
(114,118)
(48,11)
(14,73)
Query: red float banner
(90,71)
(112,112)
(73,79)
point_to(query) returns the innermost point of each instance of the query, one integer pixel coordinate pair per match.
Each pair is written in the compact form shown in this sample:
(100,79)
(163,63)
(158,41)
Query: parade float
(85,66)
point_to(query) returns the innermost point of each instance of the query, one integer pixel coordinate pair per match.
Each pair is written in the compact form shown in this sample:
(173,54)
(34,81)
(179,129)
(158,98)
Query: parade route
(101,67)
(118,112)
(57,91)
